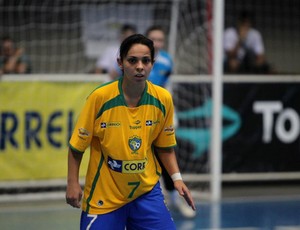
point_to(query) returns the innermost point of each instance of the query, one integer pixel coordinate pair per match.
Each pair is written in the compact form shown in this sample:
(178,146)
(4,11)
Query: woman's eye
(146,60)
(132,60)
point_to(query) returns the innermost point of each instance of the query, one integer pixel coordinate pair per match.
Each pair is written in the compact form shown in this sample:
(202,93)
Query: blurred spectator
(107,62)
(244,48)
(163,65)
(12,59)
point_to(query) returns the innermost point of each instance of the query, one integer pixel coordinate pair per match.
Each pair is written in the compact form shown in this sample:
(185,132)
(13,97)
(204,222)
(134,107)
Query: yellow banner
(36,121)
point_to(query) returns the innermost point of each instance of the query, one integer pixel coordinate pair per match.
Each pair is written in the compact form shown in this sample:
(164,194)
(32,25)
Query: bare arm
(11,64)
(168,159)
(74,191)
(242,31)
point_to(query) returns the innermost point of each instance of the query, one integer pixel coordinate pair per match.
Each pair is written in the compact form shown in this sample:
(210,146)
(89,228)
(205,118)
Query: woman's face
(158,38)
(137,64)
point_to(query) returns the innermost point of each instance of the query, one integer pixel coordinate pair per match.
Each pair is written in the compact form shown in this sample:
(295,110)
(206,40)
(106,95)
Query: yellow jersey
(122,163)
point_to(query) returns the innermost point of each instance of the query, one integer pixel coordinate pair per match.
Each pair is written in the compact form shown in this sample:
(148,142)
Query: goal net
(193,105)
(64,36)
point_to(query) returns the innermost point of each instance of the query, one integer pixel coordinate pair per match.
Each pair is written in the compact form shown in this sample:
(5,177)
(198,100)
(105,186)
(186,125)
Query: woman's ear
(120,64)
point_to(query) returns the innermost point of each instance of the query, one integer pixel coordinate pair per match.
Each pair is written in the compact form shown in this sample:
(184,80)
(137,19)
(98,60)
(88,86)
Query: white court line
(262,198)
(244,228)
(297,227)
(35,209)
(54,201)
(32,197)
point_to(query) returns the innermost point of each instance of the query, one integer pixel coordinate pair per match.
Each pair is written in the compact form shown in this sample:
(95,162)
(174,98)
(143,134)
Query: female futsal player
(123,122)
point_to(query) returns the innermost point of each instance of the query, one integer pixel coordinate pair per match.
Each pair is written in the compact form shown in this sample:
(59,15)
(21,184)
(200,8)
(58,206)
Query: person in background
(12,59)
(244,48)
(107,62)
(124,122)
(159,75)
(163,65)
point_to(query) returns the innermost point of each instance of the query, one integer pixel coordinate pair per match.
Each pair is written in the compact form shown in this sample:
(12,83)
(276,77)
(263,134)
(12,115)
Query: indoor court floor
(249,214)
(238,213)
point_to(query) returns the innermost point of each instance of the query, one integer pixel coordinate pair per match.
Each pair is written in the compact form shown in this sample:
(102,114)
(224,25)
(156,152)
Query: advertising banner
(260,133)
(261,127)
(36,121)
(268,138)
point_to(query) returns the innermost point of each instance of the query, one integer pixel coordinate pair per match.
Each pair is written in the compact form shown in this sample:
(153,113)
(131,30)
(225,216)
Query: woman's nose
(139,65)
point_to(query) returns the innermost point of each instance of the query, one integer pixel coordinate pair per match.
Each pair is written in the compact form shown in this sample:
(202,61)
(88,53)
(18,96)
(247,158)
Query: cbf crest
(135,144)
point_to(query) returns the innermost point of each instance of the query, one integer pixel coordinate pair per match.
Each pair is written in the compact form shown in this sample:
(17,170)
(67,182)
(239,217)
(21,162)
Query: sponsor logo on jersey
(114,164)
(155,122)
(150,122)
(83,133)
(135,126)
(135,143)
(111,124)
(169,129)
(134,166)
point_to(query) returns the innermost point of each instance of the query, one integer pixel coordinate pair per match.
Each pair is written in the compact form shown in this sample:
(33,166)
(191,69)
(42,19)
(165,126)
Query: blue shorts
(147,212)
